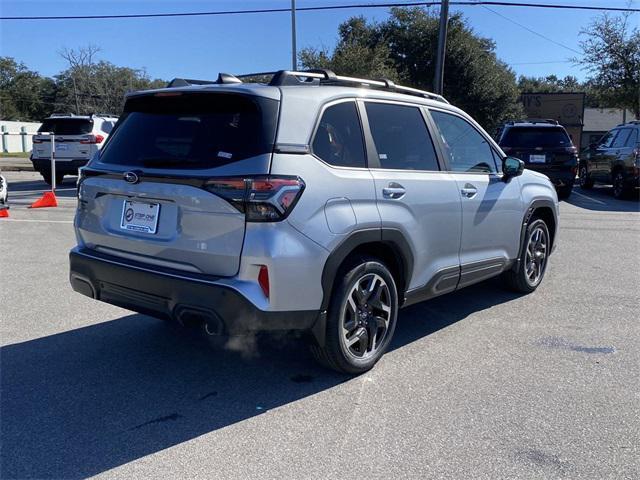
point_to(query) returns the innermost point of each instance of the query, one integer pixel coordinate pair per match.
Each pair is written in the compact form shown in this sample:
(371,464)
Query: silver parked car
(314,202)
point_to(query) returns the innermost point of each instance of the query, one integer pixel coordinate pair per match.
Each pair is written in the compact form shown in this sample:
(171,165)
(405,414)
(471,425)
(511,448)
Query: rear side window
(466,148)
(338,139)
(201,130)
(107,126)
(401,137)
(67,126)
(532,137)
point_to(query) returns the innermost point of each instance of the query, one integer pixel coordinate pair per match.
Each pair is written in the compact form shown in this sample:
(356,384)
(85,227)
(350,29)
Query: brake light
(261,199)
(92,139)
(263,280)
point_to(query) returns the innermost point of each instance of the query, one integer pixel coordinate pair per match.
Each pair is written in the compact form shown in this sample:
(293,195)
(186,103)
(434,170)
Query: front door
(491,207)
(414,195)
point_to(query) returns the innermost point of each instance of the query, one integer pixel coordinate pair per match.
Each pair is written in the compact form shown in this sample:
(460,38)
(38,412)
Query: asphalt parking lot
(481,383)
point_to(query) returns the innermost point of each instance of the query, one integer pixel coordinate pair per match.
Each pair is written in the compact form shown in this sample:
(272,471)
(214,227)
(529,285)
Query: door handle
(394,190)
(468,190)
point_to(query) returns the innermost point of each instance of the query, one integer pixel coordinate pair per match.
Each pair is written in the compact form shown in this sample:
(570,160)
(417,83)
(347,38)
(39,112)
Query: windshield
(67,126)
(186,130)
(531,137)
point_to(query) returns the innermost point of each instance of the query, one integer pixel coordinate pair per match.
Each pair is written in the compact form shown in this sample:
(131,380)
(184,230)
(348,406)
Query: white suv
(77,139)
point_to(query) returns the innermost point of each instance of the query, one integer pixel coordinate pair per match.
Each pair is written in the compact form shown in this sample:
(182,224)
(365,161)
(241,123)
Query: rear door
(491,207)
(73,138)
(149,196)
(600,158)
(413,194)
(620,149)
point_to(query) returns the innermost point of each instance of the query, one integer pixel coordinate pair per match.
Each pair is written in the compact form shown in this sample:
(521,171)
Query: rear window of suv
(191,130)
(531,137)
(67,126)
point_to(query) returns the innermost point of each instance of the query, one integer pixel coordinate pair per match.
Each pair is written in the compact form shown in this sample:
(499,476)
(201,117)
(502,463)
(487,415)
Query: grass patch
(15,155)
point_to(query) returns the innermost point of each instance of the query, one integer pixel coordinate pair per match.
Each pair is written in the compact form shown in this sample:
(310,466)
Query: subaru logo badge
(131,177)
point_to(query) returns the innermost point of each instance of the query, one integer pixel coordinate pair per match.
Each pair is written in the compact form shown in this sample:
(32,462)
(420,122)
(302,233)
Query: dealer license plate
(537,158)
(140,216)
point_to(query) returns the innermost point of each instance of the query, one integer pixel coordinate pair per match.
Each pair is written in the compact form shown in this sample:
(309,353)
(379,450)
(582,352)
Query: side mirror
(512,167)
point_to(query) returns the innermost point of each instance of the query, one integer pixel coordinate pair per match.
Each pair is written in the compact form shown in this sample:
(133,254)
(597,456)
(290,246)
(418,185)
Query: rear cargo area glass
(191,130)
(66,126)
(531,137)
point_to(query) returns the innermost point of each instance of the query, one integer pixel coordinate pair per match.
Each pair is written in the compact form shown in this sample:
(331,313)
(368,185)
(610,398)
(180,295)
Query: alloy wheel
(536,257)
(366,316)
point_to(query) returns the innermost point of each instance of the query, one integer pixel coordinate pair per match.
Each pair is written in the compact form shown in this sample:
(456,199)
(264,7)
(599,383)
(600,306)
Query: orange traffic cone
(48,200)
(4,211)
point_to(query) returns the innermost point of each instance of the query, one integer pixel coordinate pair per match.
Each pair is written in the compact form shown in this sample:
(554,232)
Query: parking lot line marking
(33,220)
(589,198)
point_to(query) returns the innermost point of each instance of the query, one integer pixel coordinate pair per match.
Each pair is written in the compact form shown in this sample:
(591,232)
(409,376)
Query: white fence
(16,136)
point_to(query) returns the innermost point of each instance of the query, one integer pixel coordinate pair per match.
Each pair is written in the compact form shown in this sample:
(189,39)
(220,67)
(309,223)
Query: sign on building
(566,108)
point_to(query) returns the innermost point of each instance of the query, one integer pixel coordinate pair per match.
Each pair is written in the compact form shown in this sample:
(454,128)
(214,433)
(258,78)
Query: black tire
(336,354)
(565,191)
(620,190)
(518,279)
(585,179)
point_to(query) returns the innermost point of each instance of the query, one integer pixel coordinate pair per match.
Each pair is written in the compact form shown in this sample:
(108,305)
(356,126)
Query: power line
(324,7)
(533,31)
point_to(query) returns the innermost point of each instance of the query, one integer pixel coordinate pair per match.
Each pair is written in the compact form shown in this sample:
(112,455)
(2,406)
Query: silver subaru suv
(310,202)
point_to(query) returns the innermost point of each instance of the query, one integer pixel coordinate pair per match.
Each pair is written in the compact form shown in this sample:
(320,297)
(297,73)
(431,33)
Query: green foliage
(550,84)
(403,48)
(24,94)
(611,55)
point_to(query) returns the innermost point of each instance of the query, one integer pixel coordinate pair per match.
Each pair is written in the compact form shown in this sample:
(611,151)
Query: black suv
(545,147)
(614,160)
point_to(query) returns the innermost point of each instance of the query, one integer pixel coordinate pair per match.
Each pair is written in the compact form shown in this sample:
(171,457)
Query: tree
(24,94)
(550,84)
(403,48)
(611,55)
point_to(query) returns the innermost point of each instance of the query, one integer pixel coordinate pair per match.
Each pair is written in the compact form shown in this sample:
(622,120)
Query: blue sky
(199,47)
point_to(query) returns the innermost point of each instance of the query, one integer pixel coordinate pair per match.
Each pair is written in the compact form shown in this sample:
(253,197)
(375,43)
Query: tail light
(261,199)
(92,139)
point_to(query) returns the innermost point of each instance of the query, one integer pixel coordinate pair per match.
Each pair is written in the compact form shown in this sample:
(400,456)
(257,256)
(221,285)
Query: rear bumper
(63,165)
(175,296)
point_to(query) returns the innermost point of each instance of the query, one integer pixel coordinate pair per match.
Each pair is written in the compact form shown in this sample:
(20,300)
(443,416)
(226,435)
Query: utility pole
(438,80)
(294,53)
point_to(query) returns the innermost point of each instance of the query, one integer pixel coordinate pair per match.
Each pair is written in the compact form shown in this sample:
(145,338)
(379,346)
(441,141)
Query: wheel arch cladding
(389,245)
(545,210)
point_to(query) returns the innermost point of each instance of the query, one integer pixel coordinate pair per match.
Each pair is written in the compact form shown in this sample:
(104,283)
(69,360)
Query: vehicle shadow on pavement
(85,401)
(600,199)
(66,190)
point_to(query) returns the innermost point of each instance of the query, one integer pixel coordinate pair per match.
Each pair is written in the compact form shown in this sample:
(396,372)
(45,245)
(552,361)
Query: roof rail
(535,120)
(108,115)
(310,77)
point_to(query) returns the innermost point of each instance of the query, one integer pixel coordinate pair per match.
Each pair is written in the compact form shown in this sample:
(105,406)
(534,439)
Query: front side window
(607,139)
(338,139)
(466,149)
(633,139)
(401,137)
(621,138)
